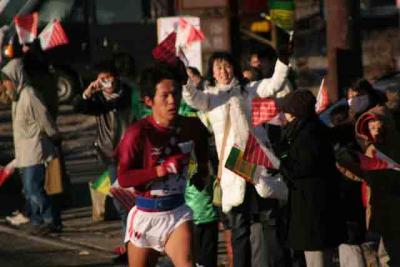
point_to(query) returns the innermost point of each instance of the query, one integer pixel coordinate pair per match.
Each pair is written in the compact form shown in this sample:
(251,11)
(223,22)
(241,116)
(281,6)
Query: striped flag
(165,51)
(237,164)
(103,183)
(26,27)
(379,161)
(264,110)
(258,154)
(125,196)
(322,98)
(53,35)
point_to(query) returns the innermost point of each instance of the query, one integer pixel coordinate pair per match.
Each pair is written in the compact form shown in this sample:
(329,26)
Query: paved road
(21,251)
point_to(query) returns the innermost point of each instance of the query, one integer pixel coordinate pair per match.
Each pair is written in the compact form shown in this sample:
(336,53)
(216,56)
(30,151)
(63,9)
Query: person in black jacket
(109,100)
(308,165)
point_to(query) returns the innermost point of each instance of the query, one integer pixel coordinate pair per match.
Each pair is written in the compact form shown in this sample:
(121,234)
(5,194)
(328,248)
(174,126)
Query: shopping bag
(217,193)
(98,204)
(53,180)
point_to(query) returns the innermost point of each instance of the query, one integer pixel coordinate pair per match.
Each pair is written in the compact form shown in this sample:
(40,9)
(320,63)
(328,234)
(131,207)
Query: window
(63,10)
(10,10)
(118,11)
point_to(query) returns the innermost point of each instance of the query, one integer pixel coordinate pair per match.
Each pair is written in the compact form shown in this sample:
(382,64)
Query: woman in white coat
(227,102)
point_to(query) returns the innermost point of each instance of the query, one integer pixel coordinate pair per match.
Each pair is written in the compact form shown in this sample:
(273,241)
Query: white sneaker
(17,219)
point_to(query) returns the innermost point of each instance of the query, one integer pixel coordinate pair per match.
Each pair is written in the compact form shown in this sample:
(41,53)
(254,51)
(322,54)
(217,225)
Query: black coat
(112,117)
(308,165)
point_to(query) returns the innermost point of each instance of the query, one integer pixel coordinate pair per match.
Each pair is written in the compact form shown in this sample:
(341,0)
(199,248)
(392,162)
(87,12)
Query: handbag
(217,191)
(53,179)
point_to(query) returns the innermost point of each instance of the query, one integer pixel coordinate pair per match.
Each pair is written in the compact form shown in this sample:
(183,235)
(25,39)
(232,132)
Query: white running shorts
(152,229)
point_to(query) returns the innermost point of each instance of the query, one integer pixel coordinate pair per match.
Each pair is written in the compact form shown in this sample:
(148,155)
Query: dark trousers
(256,243)
(206,244)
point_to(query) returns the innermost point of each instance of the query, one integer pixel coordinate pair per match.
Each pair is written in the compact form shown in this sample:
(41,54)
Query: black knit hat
(299,103)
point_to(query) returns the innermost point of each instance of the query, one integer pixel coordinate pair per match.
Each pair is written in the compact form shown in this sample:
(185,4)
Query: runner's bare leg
(179,245)
(141,257)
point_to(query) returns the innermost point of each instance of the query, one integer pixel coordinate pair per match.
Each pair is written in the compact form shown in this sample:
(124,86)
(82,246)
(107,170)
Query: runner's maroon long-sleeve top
(146,144)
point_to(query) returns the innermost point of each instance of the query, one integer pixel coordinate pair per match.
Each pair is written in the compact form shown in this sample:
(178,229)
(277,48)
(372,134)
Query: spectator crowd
(328,188)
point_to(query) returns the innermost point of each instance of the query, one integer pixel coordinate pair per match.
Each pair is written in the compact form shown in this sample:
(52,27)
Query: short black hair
(222,55)
(106,66)
(300,103)
(194,70)
(151,76)
(363,86)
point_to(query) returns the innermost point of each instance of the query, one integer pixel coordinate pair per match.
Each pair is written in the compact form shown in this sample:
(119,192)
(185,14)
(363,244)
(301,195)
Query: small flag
(165,51)
(259,154)
(7,171)
(378,162)
(53,35)
(264,110)
(195,35)
(322,98)
(125,196)
(237,164)
(103,183)
(26,27)
(282,13)
(186,34)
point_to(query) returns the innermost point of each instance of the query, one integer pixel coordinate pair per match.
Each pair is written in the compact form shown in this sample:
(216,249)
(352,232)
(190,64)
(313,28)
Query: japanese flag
(53,35)
(26,27)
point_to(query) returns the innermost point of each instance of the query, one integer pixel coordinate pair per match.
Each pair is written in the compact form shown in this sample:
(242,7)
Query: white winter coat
(219,100)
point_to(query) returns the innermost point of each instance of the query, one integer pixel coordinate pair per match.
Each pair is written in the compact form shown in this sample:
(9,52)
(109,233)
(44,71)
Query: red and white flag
(53,35)
(265,110)
(26,27)
(7,171)
(195,35)
(322,98)
(379,161)
(259,154)
(186,34)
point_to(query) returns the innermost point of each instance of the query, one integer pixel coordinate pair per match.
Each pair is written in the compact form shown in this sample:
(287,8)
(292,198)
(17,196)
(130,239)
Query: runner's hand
(174,164)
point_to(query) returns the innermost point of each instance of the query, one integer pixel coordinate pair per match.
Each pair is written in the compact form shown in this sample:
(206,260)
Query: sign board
(217,34)
(166,25)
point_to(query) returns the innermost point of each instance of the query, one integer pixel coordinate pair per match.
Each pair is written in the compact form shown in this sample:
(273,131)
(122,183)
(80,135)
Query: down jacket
(384,184)
(230,100)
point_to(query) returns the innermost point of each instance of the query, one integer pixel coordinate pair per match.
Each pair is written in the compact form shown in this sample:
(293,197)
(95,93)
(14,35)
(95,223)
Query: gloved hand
(175,163)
